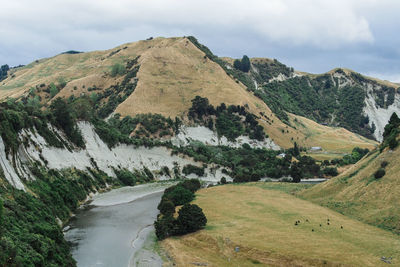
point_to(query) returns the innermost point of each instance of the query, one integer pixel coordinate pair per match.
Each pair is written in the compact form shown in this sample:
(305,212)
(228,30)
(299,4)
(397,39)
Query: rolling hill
(358,194)
(163,75)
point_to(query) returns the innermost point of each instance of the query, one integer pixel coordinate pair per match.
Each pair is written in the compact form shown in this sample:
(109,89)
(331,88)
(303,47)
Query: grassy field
(358,194)
(259,219)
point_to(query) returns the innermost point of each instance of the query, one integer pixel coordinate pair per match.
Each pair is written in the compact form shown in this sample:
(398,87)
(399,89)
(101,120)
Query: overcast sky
(310,35)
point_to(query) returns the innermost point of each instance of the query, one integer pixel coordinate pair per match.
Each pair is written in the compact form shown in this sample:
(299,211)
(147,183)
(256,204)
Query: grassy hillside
(262,225)
(171,72)
(357,193)
(333,139)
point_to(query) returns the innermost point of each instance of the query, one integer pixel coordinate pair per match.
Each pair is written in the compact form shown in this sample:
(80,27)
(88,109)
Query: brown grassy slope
(261,223)
(358,194)
(332,139)
(173,71)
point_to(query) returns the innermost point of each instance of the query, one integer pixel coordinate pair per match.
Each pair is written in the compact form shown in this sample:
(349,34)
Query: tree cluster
(231,121)
(243,64)
(190,217)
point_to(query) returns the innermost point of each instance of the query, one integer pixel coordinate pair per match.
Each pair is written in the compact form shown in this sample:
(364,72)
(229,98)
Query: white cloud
(320,23)
(393,77)
(33,29)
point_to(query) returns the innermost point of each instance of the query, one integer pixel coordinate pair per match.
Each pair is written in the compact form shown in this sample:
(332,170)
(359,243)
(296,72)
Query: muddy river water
(111,229)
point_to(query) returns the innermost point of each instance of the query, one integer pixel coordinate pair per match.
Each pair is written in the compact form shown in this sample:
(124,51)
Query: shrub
(192,184)
(223,180)
(166,207)
(164,227)
(179,195)
(126,177)
(393,143)
(330,171)
(379,173)
(53,90)
(384,164)
(117,69)
(188,169)
(191,218)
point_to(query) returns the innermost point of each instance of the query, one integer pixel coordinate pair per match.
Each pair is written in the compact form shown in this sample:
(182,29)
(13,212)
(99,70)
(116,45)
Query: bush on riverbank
(190,217)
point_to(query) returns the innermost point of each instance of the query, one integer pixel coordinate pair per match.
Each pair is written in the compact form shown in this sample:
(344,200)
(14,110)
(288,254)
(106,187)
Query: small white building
(316,148)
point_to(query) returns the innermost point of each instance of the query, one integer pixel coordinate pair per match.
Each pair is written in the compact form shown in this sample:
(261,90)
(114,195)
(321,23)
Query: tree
(237,64)
(179,195)
(394,119)
(164,227)
(296,151)
(166,207)
(295,172)
(191,218)
(3,72)
(379,173)
(64,119)
(200,107)
(394,122)
(53,90)
(192,184)
(245,64)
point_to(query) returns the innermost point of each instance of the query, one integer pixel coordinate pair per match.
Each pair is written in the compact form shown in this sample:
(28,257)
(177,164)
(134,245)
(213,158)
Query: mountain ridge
(168,73)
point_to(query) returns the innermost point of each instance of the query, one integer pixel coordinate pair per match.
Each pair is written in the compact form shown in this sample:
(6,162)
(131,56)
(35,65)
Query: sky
(309,35)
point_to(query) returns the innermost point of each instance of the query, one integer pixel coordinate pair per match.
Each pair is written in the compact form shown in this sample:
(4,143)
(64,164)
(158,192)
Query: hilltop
(163,75)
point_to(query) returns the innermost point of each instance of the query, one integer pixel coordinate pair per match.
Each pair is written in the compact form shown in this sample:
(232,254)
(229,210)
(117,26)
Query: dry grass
(332,139)
(261,223)
(358,194)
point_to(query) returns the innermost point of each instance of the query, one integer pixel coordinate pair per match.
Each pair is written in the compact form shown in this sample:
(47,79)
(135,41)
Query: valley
(103,144)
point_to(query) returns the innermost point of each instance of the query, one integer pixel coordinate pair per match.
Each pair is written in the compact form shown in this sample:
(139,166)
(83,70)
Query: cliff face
(96,154)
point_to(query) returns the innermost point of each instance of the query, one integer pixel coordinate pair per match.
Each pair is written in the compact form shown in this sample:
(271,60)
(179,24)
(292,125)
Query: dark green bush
(191,184)
(179,195)
(126,177)
(188,169)
(379,173)
(330,171)
(191,218)
(164,227)
(166,207)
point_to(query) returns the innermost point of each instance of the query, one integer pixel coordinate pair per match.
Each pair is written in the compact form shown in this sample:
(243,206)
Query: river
(112,229)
